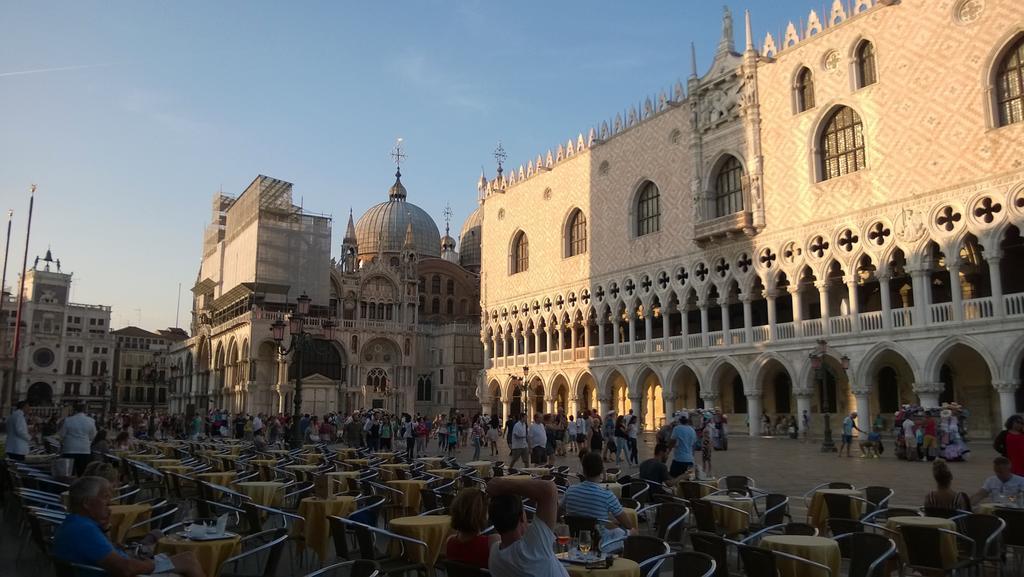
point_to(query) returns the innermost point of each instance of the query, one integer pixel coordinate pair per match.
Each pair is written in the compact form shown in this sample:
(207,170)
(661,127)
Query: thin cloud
(422,73)
(53,69)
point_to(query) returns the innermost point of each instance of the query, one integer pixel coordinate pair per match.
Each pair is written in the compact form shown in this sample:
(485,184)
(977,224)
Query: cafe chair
(263,556)
(692,564)
(842,506)
(365,538)
(357,568)
(637,490)
(986,531)
(704,516)
(459,569)
(797,528)
(648,552)
(714,546)
(776,511)
(737,484)
(670,522)
(924,546)
(867,553)
(1013,534)
(438,511)
(577,524)
(159,517)
(758,562)
(878,497)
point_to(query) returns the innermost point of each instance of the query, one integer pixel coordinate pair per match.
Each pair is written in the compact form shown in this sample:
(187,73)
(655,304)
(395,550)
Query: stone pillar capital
(926,388)
(1005,386)
(803,393)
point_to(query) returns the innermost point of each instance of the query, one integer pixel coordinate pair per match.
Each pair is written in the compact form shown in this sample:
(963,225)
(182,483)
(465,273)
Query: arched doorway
(686,389)
(494,391)
(831,388)
(560,393)
(729,384)
(652,414)
(586,393)
(619,394)
(40,395)
(967,381)
(777,389)
(536,398)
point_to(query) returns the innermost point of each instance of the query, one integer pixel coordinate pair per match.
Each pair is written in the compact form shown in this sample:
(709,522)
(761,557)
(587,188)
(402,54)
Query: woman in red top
(1015,444)
(469,518)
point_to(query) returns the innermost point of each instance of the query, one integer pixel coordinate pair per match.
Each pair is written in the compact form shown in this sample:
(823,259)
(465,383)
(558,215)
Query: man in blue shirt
(682,441)
(82,538)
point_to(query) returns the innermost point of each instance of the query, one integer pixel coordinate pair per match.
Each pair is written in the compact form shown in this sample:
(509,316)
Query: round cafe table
(163,462)
(433,462)
(621,567)
(315,526)
(312,458)
(337,482)
(818,549)
(303,471)
(949,546)
(357,462)
(266,493)
(222,478)
(483,468)
(518,477)
(122,517)
(705,487)
(446,473)
(387,471)
(211,554)
(143,458)
(989,507)
(431,529)
(733,522)
(817,512)
(536,471)
(410,489)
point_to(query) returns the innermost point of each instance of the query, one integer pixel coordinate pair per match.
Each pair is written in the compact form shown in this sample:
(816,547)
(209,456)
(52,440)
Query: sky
(130,115)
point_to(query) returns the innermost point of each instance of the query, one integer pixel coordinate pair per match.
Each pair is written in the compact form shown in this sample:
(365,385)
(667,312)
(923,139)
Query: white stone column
(922,296)
(506,408)
(684,318)
(669,399)
(710,399)
(798,310)
(536,340)
(636,402)
(648,328)
(1007,399)
(725,324)
(748,322)
(615,334)
(826,329)
(572,336)
(704,322)
(632,326)
(574,406)
(863,398)
(851,289)
(603,404)
(666,326)
(883,292)
(996,281)
(754,413)
(586,336)
(769,297)
(803,403)
(600,338)
(549,405)
(955,289)
(928,394)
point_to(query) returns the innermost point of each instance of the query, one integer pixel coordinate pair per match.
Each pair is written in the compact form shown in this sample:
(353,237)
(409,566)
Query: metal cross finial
(398,154)
(500,156)
(447,216)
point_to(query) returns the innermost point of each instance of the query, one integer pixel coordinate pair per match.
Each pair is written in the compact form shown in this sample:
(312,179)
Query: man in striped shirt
(589,499)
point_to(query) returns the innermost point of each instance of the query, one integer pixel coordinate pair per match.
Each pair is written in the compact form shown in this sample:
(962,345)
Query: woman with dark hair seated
(944,498)
(469,519)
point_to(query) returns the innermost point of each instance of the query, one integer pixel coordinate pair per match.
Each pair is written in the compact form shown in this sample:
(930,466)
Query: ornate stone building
(858,181)
(391,317)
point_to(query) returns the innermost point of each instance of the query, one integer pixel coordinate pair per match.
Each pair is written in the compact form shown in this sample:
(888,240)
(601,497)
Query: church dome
(382,228)
(469,240)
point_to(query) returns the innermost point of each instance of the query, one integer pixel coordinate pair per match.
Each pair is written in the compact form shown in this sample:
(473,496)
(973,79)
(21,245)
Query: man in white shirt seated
(76,436)
(518,444)
(538,438)
(524,548)
(1003,484)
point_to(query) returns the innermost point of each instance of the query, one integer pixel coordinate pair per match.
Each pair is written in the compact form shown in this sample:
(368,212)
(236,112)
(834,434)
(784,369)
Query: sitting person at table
(102,469)
(524,549)
(469,518)
(655,471)
(591,500)
(1003,483)
(123,441)
(82,538)
(944,498)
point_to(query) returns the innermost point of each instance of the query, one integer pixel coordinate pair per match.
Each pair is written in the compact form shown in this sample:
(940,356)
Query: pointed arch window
(842,144)
(867,73)
(1010,85)
(804,89)
(648,209)
(520,253)
(577,233)
(729,187)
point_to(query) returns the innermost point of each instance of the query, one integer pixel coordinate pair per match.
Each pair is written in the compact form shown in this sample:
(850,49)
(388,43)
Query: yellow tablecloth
(357,462)
(266,493)
(337,482)
(266,473)
(168,449)
(179,469)
(732,521)
(948,541)
(142,458)
(410,489)
(211,554)
(387,471)
(483,468)
(621,567)
(163,462)
(518,477)
(387,455)
(303,468)
(432,462)
(431,529)
(706,488)
(817,511)
(223,478)
(312,458)
(615,488)
(447,473)
(122,517)
(316,528)
(818,549)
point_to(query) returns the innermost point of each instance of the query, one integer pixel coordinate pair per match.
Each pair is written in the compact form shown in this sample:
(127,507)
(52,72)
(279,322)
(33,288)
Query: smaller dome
(447,243)
(397,190)
(469,239)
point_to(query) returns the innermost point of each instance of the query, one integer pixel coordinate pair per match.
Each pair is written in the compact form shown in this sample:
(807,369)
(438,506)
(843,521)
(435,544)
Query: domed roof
(469,239)
(382,228)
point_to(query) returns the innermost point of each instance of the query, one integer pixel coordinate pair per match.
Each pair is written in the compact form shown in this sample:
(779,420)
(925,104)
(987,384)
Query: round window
(43,358)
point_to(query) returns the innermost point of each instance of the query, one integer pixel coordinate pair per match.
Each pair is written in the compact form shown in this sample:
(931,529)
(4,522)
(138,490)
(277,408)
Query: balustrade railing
(609,351)
(695,341)
(902,318)
(737,337)
(979,308)
(871,321)
(812,328)
(940,313)
(716,339)
(677,343)
(840,325)
(542,358)
(785,331)
(1014,304)
(639,347)
(761,333)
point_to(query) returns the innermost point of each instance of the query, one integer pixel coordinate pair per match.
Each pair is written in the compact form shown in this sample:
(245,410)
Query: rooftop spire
(726,43)
(499,156)
(750,37)
(398,191)
(409,243)
(350,230)
(447,217)
(693,61)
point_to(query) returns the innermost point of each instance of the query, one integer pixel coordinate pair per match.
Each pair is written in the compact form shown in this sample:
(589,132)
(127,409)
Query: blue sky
(159,104)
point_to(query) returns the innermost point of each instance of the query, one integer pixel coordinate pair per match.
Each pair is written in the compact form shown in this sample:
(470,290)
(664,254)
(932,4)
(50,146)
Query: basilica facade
(825,222)
(393,320)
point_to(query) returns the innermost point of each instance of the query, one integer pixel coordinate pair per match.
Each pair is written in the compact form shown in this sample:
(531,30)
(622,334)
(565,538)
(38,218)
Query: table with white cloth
(820,550)
(734,522)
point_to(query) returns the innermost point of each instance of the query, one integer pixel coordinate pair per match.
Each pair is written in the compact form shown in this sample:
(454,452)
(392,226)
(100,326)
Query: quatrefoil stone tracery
(767,258)
(988,210)
(878,233)
(818,246)
(847,240)
(948,218)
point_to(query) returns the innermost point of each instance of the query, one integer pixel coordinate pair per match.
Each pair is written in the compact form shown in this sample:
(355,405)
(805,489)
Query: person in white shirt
(571,431)
(518,443)
(17,433)
(1003,484)
(76,436)
(524,548)
(257,424)
(538,438)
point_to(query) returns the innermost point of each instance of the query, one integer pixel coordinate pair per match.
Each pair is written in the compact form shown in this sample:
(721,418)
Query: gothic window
(866,72)
(520,253)
(1010,85)
(95,369)
(377,380)
(804,90)
(449,287)
(648,209)
(450,307)
(842,144)
(729,187)
(424,388)
(103,367)
(435,306)
(577,233)
(423,284)
(435,284)
(71,367)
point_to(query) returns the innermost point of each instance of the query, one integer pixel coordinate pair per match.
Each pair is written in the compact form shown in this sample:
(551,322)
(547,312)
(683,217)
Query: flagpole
(21,297)
(3,299)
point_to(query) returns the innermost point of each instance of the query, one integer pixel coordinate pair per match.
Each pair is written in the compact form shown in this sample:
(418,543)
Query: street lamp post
(301,341)
(818,364)
(523,389)
(154,379)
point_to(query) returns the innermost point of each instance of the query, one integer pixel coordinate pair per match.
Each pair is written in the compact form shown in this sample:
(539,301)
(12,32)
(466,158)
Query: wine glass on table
(585,542)
(562,538)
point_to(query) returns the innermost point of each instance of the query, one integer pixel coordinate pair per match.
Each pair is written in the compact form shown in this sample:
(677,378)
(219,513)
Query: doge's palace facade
(857,185)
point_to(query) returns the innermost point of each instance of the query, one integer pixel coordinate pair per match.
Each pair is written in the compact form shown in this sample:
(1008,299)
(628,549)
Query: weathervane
(399,155)
(500,156)
(447,216)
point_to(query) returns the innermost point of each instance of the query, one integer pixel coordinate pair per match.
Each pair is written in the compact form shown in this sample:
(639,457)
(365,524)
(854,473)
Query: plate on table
(204,536)
(577,558)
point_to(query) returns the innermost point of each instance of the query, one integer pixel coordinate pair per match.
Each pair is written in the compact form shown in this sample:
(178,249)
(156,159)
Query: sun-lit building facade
(858,181)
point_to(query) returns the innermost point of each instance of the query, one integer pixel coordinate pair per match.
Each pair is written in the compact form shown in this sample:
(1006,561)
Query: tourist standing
(17,433)
(849,425)
(683,440)
(1015,444)
(608,434)
(76,436)
(518,442)
(477,433)
(632,429)
(538,440)
(570,431)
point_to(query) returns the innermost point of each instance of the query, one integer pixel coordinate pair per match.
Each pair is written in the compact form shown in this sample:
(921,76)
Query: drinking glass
(562,537)
(188,529)
(584,542)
